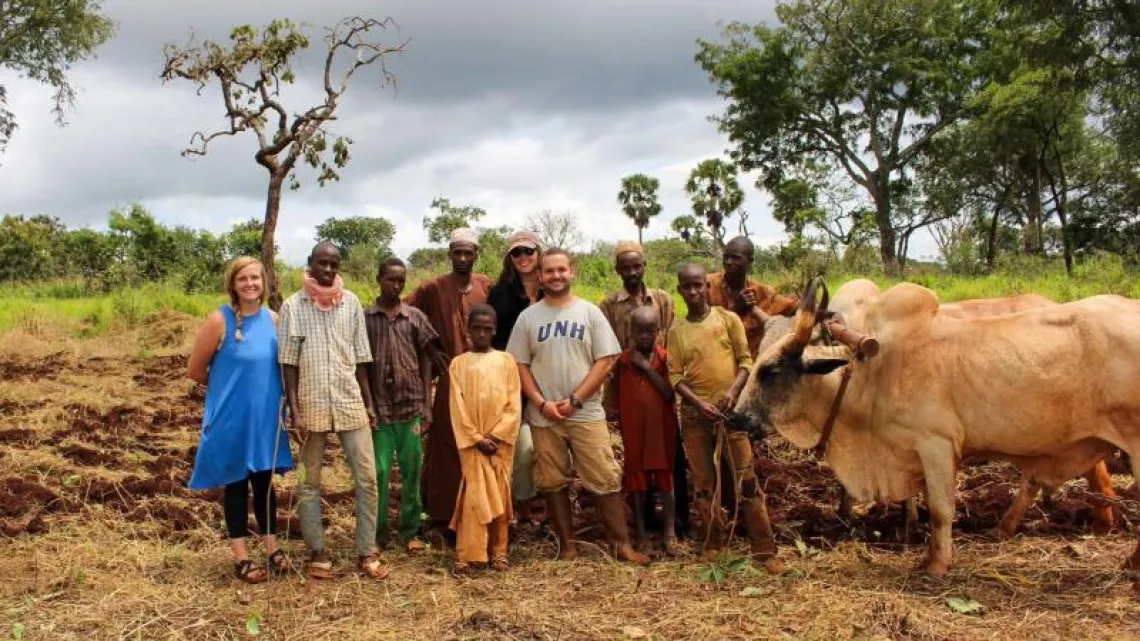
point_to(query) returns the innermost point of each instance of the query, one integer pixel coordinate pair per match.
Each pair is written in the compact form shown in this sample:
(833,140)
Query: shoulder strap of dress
(227,322)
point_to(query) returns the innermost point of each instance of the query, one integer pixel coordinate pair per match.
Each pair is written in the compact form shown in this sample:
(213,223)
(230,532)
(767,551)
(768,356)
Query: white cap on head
(463,235)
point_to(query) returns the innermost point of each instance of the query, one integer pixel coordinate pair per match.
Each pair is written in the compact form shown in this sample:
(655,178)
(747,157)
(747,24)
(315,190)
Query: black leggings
(236,505)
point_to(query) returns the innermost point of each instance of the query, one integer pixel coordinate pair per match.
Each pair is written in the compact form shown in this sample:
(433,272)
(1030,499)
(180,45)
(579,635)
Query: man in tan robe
(486,406)
(446,301)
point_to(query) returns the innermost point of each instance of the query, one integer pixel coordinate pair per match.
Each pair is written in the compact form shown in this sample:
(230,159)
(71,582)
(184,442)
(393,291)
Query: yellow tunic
(708,354)
(485,400)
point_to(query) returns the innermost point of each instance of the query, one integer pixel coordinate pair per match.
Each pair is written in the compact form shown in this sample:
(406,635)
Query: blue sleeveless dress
(243,406)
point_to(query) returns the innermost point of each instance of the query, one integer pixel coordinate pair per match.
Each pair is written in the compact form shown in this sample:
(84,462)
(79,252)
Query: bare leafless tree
(251,72)
(556,230)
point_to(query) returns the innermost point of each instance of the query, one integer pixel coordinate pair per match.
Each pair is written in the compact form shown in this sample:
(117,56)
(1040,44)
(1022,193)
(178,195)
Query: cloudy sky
(512,105)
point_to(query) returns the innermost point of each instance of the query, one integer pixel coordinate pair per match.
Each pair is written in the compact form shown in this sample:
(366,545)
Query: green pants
(399,438)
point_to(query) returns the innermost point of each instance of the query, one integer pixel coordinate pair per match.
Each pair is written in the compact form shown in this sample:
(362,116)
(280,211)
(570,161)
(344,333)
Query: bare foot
(710,554)
(1001,533)
(1102,521)
(937,568)
(642,544)
(568,553)
(774,566)
(626,553)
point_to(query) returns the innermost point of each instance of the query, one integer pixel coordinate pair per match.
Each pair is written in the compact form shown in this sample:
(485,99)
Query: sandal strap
(245,570)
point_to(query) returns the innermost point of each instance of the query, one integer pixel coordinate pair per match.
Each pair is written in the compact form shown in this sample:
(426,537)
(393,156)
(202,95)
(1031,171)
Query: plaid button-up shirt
(325,346)
(398,392)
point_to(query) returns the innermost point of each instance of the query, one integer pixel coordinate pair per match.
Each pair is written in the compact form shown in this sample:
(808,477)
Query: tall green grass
(71,306)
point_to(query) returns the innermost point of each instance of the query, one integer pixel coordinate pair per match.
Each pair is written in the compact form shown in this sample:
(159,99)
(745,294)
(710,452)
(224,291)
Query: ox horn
(805,320)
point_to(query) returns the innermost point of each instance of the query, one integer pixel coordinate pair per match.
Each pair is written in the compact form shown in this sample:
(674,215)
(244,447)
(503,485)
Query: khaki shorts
(588,443)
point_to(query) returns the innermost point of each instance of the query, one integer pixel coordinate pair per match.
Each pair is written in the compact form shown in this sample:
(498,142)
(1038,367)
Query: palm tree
(638,199)
(688,228)
(715,193)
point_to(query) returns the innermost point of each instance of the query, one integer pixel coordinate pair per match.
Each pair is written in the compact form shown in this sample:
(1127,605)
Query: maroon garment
(446,309)
(648,424)
(394,373)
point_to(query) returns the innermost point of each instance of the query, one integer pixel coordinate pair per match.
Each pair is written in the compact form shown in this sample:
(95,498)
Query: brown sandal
(246,571)
(371,567)
(320,567)
(500,564)
(278,563)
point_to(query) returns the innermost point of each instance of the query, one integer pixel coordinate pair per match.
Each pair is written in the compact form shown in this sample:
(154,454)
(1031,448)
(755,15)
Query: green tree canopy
(29,247)
(450,218)
(864,84)
(358,231)
(41,40)
(244,239)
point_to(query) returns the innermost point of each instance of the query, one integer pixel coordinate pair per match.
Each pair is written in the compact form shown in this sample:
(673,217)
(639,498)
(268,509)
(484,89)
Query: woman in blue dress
(243,442)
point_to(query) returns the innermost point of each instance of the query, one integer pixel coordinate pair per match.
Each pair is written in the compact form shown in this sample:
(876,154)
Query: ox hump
(904,308)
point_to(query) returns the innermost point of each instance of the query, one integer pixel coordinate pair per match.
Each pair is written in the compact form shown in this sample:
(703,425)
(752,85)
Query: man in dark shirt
(400,377)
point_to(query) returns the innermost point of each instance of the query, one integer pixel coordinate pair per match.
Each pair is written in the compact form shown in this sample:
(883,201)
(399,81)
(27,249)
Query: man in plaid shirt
(323,349)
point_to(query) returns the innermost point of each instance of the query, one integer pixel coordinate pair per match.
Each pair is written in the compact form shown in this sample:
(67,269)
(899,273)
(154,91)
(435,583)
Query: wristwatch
(575,403)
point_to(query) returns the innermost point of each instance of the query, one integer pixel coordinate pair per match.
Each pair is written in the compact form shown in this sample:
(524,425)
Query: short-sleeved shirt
(396,343)
(618,309)
(326,347)
(767,300)
(561,344)
(707,354)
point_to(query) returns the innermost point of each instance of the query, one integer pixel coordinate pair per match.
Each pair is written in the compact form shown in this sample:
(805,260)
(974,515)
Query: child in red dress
(648,424)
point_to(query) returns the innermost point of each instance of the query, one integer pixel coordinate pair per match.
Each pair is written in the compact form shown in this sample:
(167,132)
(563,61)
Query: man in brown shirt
(446,301)
(400,338)
(752,300)
(618,306)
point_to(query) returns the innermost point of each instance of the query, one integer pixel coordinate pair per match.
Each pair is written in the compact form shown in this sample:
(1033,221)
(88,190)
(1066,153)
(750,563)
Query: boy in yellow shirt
(709,362)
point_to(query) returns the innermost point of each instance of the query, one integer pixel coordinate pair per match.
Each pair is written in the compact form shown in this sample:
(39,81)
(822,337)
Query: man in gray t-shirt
(561,345)
(565,348)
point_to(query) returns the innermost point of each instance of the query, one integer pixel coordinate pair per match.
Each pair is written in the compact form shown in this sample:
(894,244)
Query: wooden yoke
(864,346)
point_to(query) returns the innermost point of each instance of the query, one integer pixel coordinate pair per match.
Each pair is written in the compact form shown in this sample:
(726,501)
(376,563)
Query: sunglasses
(522,251)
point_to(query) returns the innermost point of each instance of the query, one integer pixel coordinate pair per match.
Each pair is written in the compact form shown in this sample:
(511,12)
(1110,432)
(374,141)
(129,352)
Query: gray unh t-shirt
(561,344)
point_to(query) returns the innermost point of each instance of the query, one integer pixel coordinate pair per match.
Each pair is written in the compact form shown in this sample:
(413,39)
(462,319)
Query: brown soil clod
(20,498)
(47,367)
(86,419)
(481,623)
(176,517)
(18,435)
(13,408)
(88,457)
(164,465)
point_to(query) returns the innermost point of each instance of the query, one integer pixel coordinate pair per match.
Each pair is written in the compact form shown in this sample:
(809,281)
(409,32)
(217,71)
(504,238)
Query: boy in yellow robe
(485,400)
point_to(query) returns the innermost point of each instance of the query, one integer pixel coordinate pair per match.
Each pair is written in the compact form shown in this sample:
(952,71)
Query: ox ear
(823,365)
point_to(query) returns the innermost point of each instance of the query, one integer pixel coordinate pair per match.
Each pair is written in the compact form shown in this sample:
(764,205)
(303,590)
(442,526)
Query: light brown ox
(851,300)
(1051,389)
